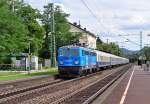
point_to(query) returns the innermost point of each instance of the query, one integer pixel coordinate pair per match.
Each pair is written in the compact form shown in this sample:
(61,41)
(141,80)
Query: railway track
(10,88)
(89,93)
(29,88)
(57,92)
(12,85)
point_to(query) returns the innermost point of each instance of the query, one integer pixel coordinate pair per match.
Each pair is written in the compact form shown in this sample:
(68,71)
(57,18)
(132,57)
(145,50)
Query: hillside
(126,51)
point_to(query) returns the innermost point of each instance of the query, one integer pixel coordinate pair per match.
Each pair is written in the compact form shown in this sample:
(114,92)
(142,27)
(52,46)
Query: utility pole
(29,57)
(141,40)
(107,41)
(53,35)
(13,5)
(142,53)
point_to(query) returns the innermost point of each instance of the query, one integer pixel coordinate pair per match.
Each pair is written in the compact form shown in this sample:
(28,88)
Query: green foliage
(63,36)
(13,76)
(12,31)
(111,47)
(22,26)
(7,60)
(99,44)
(30,18)
(145,52)
(132,57)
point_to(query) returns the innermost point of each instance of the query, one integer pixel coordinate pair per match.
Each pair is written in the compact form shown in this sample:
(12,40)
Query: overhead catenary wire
(101,24)
(127,38)
(95,16)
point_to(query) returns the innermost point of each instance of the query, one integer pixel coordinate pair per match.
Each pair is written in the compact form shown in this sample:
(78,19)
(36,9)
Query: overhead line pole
(13,5)
(22,1)
(53,36)
(142,53)
(141,40)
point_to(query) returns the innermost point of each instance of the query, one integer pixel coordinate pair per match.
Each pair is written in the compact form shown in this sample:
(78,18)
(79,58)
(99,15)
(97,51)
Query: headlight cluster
(61,62)
(76,62)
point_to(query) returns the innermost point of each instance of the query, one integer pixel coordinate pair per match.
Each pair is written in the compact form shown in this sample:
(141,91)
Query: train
(76,61)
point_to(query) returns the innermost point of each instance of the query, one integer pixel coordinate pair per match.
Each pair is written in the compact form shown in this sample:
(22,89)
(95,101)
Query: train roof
(109,54)
(74,46)
(101,52)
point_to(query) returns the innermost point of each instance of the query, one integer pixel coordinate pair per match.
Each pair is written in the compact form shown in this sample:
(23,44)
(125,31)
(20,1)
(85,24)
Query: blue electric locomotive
(74,61)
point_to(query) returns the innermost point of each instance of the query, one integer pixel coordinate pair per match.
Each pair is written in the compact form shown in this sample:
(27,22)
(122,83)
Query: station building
(87,38)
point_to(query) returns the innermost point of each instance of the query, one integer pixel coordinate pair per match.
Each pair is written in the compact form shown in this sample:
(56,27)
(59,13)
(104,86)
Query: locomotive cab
(69,61)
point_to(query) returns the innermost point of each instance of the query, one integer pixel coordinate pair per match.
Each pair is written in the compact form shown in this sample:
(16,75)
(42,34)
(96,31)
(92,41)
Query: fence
(13,67)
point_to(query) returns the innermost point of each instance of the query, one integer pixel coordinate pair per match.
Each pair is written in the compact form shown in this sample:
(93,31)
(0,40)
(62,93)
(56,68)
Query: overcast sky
(109,18)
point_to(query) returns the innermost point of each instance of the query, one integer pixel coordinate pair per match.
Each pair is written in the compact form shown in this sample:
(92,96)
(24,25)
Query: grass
(4,76)
(8,73)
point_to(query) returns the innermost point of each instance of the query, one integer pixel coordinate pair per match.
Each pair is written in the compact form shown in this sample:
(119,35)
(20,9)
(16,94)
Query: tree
(62,27)
(99,44)
(12,31)
(110,48)
(114,49)
(30,18)
(145,52)
(63,34)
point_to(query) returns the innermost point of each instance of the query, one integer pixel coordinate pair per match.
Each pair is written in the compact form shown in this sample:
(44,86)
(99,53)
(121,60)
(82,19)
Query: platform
(132,88)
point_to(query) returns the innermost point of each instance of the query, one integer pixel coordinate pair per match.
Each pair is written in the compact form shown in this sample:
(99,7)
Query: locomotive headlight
(76,62)
(61,62)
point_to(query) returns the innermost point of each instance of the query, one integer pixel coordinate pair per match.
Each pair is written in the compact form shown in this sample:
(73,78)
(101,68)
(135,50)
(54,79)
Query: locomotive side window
(83,53)
(93,54)
(86,53)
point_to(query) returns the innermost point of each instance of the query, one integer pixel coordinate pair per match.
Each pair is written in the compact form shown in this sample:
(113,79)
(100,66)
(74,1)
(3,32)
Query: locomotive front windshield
(74,52)
(63,52)
(69,52)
